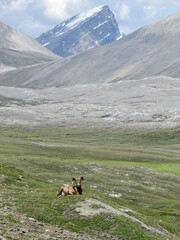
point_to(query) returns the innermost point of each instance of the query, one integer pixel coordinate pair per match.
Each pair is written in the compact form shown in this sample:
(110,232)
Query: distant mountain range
(96,27)
(18,50)
(152,50)
(132,82)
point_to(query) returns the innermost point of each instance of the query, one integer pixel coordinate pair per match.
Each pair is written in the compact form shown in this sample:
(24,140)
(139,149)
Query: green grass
(11,219)
(133,231)
(116,161)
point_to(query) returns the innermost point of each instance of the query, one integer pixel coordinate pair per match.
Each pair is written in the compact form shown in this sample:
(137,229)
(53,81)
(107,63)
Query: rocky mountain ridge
(19,50)
(96,27)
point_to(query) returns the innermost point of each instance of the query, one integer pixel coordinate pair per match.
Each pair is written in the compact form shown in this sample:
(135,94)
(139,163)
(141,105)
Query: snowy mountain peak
(78,19)
(95,27)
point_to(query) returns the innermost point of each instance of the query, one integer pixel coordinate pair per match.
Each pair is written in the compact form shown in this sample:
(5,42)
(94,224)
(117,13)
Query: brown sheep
(74,189)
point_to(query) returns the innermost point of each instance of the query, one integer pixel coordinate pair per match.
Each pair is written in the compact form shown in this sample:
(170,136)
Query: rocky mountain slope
(18,50)
(150,51)
(93,28)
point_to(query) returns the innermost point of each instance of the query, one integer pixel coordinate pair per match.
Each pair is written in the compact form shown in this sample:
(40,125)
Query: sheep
(74,189)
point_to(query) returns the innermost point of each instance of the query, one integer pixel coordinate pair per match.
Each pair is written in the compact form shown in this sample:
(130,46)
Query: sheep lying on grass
(74,189)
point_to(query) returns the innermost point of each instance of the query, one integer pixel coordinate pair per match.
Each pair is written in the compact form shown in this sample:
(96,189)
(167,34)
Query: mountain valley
(109,114)
(99,87)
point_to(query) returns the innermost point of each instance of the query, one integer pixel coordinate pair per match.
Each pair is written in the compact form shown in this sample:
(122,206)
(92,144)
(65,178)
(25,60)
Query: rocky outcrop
(93,28)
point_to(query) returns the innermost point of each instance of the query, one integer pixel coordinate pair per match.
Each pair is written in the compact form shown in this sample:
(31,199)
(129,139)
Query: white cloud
(56,9)
(16,5)
(30,24)
(151,11)
(124,11)
(160,2)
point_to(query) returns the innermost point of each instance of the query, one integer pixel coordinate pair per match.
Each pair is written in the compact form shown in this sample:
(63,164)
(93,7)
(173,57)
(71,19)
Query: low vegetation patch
(119,168)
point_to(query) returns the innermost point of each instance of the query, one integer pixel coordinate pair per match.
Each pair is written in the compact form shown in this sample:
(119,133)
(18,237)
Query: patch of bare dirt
(87,208)
(2,177)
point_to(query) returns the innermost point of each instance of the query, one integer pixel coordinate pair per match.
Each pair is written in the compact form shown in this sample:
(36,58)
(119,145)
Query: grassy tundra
(134,172)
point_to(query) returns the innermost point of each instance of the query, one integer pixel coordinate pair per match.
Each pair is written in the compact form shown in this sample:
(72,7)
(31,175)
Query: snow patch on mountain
(100,24)
(46,44)
(84,17)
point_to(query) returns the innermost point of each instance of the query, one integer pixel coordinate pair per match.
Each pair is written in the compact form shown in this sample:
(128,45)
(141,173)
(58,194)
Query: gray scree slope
(17,50)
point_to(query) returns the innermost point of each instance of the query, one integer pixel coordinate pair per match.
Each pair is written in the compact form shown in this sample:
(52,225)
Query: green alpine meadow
(130,188)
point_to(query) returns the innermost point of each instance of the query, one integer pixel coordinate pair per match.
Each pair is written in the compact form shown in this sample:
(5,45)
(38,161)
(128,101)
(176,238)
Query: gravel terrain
(151,102)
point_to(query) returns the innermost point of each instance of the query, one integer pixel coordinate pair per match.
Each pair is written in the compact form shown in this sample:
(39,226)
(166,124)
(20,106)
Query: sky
(33,17)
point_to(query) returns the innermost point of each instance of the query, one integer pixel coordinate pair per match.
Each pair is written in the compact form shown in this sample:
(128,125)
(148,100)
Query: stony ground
(18,226)
(152,102)
(14,225)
